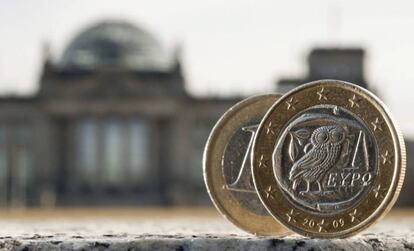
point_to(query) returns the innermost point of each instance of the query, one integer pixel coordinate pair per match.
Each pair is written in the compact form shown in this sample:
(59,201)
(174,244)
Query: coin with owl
(326,144)
(324,159)
(336,159)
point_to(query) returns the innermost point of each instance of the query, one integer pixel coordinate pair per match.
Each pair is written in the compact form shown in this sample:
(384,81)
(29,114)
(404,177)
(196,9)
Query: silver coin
(227,166)
(337,160)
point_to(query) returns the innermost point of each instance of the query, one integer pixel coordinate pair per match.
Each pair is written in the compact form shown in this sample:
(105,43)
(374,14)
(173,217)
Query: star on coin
(270,191)
(354,215)
(291,215)
(291,103)
(263,163)
(386,158)
(353,101)
(322,94)
(321,226)
(376,124)
(379,192)
(270,128)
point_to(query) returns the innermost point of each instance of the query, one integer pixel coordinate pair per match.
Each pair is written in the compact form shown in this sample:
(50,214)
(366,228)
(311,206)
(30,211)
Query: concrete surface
(180,232)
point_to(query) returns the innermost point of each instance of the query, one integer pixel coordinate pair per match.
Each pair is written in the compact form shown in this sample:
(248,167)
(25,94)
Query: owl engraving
(325,148)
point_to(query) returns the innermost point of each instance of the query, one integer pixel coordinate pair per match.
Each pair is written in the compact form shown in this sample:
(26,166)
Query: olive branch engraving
(297,139)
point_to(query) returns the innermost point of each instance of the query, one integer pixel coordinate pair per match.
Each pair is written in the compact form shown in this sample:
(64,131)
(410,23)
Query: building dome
(115,44)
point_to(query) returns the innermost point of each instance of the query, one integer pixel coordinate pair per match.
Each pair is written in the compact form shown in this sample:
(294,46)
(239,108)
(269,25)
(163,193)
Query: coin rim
(398,167)
(212,168)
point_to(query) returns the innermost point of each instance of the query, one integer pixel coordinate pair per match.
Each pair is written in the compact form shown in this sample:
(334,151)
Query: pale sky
(229,47)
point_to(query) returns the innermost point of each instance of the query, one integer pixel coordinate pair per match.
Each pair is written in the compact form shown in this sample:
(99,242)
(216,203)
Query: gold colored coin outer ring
(223,199)
(390,175)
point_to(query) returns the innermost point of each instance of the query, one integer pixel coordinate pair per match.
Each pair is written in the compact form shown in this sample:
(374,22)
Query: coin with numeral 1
(336,159)
(227,170)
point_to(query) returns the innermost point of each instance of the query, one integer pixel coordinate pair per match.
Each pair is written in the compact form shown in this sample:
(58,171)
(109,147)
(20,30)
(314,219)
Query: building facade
(330,63)
(111,124)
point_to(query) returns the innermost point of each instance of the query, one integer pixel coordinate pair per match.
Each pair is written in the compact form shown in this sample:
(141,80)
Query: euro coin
(227,170)
(335,160)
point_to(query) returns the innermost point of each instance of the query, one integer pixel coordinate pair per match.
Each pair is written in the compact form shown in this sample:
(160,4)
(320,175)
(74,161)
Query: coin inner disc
(325,159)
(237,170)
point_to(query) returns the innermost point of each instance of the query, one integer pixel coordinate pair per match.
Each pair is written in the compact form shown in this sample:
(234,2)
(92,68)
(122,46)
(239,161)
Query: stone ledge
(202,242)
(184,233)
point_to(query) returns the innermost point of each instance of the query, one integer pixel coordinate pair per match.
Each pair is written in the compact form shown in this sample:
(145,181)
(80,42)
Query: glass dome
(115,44)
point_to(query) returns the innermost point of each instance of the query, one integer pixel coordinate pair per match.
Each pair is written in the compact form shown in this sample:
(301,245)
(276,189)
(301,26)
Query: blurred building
(111,124)
(330,63)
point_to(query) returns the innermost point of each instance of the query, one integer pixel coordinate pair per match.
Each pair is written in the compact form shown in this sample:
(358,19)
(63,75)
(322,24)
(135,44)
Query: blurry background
(109,103)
